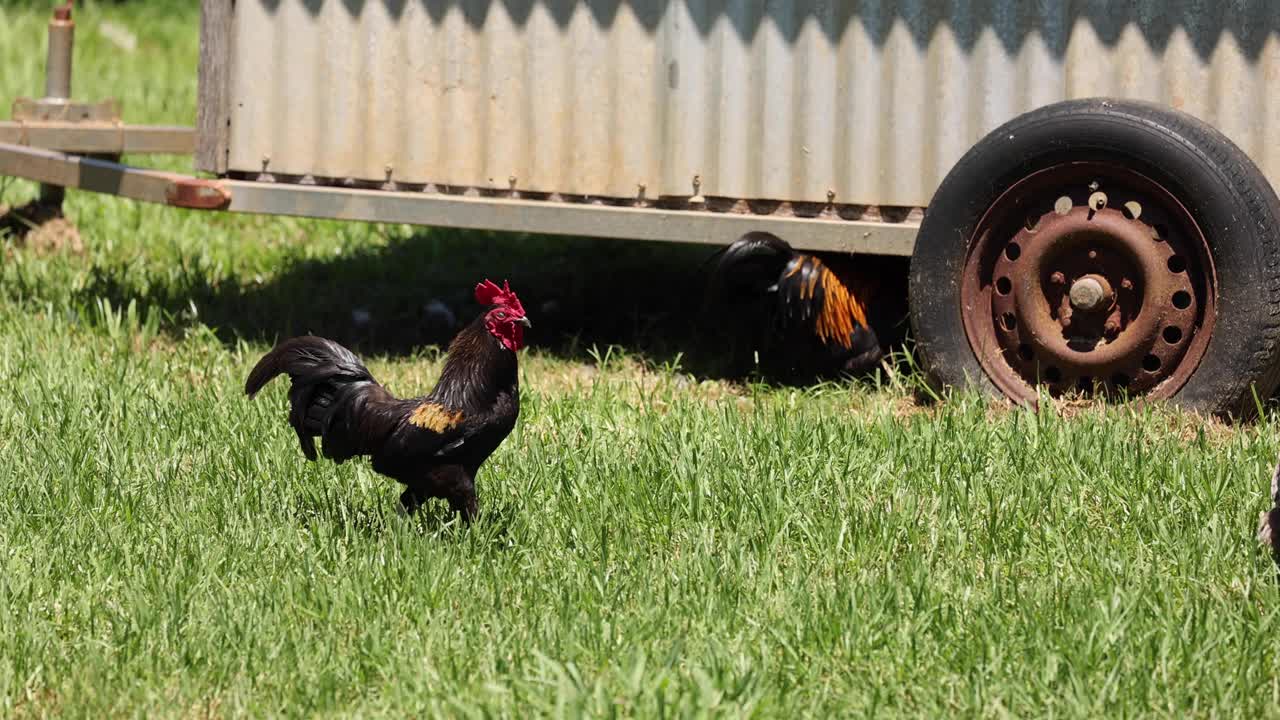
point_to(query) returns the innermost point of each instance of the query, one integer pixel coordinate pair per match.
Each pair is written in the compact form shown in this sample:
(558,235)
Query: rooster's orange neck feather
(842,308)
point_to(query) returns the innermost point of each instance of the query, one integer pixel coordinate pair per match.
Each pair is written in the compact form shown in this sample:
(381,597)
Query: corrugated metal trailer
(856,103)
(830,124)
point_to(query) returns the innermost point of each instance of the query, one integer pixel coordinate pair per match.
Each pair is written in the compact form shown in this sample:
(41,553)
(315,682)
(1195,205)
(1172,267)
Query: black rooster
(433,444)
(807,316)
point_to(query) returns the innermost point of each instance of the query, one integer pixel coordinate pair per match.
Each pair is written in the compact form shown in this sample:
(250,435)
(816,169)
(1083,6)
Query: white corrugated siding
(873,101)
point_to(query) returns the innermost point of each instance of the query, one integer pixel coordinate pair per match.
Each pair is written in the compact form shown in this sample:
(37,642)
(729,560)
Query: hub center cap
(1091,292)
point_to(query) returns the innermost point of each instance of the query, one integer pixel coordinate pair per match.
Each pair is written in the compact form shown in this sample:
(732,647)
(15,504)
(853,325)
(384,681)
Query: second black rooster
(800,317)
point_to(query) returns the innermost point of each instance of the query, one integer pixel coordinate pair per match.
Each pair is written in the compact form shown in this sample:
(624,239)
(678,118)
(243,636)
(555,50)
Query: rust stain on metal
(197,194)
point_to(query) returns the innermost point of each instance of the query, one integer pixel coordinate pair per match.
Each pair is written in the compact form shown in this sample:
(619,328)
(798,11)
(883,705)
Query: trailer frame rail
(500,214)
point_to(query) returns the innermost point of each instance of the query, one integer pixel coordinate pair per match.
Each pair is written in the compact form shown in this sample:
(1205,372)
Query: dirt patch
(41,228)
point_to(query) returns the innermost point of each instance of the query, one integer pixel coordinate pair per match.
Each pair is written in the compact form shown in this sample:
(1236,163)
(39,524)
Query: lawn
(652,542)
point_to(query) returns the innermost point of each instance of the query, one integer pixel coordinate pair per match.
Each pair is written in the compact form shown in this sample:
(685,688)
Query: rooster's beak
(525,322)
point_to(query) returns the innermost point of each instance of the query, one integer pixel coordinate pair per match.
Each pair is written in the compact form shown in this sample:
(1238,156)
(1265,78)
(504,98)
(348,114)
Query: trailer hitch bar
(154,186)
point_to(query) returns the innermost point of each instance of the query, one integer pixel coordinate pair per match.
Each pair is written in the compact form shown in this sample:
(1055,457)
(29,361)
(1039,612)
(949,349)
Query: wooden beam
(213,110)
(100,138)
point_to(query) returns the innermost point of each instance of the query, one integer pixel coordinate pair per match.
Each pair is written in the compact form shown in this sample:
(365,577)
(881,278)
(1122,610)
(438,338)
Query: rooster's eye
(502,316)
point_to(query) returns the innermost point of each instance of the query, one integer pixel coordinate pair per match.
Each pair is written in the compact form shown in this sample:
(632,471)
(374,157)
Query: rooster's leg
(451,482)
(412,499)
(456,484)
(463,501)
(465,504)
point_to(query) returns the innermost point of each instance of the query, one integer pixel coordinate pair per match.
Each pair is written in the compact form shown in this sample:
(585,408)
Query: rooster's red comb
(488,293)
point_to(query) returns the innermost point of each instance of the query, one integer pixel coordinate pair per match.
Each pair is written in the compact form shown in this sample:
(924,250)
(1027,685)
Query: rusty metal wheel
(1107,248)
(1088,278)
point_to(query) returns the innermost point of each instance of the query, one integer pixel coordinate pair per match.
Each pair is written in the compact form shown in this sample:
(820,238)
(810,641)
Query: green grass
(650,544)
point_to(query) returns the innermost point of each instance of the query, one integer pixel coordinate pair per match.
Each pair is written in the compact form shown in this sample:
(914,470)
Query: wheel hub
(1091,293)
(1070,286)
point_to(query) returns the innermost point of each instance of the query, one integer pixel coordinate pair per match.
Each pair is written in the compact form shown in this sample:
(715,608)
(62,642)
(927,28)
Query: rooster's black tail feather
(749,267)
(327,379)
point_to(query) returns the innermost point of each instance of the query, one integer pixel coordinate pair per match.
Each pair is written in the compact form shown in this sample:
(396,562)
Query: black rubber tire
(1233,203)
